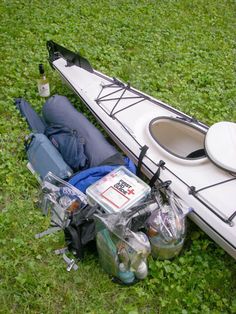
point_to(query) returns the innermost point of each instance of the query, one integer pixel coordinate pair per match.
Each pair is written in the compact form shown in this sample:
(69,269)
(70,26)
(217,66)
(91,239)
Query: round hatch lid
(220,145)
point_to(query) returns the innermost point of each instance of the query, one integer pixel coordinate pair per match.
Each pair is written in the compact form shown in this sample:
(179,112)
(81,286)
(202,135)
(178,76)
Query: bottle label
(44,90)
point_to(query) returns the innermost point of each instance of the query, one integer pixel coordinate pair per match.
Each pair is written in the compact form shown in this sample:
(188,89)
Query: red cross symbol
(131,192)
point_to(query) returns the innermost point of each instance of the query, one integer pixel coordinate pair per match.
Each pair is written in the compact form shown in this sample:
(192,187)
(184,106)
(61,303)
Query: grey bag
(44,157)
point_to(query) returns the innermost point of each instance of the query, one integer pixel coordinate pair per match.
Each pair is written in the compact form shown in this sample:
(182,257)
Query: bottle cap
(41,68)
(152,232)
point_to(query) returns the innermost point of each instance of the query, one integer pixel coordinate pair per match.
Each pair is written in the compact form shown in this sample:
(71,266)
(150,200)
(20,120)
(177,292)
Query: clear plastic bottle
(43,83)
(142,271)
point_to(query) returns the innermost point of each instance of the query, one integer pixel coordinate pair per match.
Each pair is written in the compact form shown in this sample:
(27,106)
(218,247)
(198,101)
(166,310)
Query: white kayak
(199,161)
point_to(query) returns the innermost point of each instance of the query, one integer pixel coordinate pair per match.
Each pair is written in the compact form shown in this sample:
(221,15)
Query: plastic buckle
(70,263)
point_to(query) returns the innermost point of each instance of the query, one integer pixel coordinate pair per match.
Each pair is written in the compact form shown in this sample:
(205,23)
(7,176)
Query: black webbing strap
(140,159)
(157,174)
(73,240)
(28,140)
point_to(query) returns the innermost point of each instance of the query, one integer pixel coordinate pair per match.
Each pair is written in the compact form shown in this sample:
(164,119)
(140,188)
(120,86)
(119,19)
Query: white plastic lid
(117,191)
(220,145)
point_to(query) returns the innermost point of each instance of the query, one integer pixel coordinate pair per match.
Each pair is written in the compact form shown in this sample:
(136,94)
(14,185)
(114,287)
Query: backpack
(44,157)
(69,143)
(80,231)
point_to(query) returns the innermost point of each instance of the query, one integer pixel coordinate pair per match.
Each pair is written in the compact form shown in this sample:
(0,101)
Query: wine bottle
(43,83)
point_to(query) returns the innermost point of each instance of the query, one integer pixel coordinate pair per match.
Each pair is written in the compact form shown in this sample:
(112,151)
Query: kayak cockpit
(178,137)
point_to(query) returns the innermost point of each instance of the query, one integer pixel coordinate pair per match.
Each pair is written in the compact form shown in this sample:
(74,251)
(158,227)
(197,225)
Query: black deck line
(100,99)
(156,102)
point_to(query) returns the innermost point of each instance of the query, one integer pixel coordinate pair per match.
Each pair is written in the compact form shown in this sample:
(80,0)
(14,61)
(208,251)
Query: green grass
(182,52)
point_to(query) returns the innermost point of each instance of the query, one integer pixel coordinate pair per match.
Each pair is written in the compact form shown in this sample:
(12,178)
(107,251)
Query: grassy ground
(182,52)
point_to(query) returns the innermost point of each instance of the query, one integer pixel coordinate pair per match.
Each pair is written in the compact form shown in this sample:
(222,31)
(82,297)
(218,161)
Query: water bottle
(43,83)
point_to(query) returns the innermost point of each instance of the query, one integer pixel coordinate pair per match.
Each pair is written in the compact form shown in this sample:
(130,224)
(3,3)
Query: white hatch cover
(220,145)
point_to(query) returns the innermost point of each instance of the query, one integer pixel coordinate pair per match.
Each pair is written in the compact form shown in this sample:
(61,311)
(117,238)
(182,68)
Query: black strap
(73,240)
(28,140)
(140,159)
(157,174)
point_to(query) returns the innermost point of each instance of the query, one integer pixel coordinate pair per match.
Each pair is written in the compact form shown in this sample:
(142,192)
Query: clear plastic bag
(61,199)
(168,220)
(166,226)
(129,249)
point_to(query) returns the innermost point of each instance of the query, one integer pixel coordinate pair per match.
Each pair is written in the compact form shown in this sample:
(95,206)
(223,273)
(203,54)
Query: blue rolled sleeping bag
(58,110)
(34,121)
(102,157)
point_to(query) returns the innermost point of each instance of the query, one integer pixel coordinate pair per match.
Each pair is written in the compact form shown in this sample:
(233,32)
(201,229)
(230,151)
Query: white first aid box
(119,190)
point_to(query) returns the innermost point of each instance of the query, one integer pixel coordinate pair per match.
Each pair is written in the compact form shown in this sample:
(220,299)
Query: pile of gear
(92,193)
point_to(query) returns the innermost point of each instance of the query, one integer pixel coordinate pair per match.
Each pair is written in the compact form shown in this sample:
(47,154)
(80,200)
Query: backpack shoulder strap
(73,240)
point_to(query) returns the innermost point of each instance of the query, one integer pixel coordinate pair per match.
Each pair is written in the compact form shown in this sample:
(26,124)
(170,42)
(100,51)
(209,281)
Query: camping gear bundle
(91,192)
(125,236)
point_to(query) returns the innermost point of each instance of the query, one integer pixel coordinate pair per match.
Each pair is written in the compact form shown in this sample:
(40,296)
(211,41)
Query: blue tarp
(84,179)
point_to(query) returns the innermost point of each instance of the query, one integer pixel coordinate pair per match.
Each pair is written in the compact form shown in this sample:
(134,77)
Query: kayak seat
(197,153)
(178,137)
